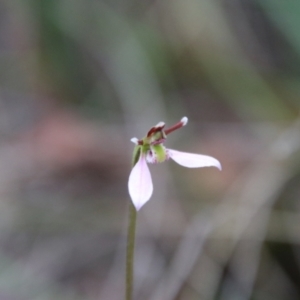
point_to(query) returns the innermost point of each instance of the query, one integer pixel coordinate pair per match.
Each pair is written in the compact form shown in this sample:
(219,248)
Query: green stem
(130,251)
(132,218)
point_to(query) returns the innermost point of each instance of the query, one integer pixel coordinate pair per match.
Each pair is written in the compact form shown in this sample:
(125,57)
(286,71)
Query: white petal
(190,160)
(160,124)
(184,121)
(135,140)
(140,183)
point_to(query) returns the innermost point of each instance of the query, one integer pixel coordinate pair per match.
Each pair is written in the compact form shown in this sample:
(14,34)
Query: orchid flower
(151,150)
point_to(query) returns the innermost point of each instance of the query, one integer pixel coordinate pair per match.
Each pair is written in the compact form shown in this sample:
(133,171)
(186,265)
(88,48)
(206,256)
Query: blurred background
(79,78)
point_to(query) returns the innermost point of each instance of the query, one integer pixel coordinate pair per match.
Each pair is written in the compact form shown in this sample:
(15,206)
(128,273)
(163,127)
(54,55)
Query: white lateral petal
(191,160)
(140,183)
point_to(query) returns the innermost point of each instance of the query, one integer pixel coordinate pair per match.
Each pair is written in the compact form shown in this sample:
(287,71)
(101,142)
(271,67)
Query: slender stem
(130,251)
(132,219)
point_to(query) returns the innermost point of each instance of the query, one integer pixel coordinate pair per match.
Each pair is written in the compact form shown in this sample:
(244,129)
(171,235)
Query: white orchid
(151,150)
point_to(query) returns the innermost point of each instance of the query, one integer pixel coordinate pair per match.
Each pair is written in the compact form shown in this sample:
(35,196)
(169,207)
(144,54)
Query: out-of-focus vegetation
(79,78)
